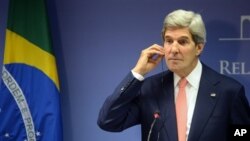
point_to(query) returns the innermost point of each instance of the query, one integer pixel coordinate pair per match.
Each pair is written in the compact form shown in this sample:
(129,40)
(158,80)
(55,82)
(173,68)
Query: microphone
(156,116)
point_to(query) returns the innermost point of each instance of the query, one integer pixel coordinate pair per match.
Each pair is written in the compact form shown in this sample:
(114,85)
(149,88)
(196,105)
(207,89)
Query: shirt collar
(193,78)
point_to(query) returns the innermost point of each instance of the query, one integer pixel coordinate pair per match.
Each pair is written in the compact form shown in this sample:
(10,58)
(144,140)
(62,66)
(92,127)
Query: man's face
(181,52)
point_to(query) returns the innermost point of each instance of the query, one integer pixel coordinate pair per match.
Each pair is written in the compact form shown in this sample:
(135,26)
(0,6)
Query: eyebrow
(182,37)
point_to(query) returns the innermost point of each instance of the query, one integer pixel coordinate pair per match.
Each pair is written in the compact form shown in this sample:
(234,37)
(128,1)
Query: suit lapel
(205,104)
(167,108)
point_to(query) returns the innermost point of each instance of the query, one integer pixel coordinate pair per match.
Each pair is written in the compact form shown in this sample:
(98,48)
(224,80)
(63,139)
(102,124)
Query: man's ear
(199,48)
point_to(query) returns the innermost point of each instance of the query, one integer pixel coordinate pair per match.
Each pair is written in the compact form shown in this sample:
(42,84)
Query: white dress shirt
(191,90)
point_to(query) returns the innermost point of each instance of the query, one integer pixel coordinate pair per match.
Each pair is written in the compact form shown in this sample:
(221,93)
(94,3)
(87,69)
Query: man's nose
(175,48)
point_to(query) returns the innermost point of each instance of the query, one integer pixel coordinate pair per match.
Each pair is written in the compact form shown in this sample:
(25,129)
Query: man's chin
(173,69)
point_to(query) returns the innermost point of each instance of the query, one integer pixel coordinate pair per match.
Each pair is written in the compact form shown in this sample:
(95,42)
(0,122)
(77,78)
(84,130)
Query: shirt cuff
(138,76)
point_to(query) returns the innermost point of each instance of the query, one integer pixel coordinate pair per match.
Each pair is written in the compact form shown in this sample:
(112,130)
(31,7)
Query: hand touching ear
(149,59)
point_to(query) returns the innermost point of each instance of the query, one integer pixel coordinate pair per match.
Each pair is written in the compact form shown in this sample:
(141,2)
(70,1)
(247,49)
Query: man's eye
(183,42)
(168,41)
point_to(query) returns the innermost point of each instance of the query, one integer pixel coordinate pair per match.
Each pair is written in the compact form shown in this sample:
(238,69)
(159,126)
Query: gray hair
(182,18)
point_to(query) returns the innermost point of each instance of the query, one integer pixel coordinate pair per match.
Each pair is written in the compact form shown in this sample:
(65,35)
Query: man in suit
(203,109)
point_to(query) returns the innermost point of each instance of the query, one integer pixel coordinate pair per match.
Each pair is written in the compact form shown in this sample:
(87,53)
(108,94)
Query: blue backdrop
(98,42)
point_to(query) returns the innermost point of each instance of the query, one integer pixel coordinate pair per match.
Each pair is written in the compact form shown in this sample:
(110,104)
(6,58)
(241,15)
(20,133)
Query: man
(201,110)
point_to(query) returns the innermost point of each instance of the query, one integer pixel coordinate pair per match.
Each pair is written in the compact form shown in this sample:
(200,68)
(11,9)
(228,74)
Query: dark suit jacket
(220,103)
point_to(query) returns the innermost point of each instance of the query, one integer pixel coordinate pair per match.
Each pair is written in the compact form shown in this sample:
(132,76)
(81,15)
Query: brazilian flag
(29,89)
